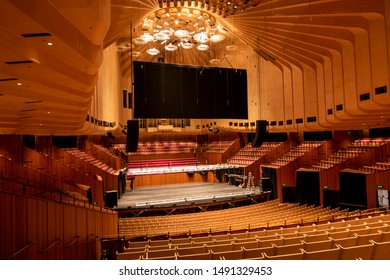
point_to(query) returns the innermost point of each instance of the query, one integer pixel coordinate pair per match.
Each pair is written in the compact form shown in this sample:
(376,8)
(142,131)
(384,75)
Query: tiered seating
(378,166)
(248,154)
(296,152)
(365,238)
(218,147)
(90,159)
(370,142)
(107,156)
(161,147)
(163,163)
(339,157)
(272,213)
(357,148)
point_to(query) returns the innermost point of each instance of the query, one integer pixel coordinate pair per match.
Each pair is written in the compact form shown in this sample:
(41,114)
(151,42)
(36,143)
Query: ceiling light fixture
(202,47)
(188,25)
(153,51)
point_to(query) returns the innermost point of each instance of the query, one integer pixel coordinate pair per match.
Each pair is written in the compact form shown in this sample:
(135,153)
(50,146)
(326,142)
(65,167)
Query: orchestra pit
(194,130)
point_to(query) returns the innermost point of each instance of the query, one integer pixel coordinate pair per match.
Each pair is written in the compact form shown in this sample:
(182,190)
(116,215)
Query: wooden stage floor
(182,194)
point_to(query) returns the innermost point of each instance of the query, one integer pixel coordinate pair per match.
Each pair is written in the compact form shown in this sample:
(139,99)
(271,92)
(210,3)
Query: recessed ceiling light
(19,84)
(50,44)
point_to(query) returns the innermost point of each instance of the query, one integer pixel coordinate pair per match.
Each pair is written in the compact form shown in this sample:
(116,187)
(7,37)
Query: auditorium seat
(358,251)
(175,241)
(318,245)
(258,252)
(160,253)
(227,255)
(293,240)
(247,245)
(160,258)
(288,249)
(192,250)
(381,250)
(292,256)
(327,254)
(134,250)
(220,247)
(363,239)
(346,242)
(199,256)
(131,255)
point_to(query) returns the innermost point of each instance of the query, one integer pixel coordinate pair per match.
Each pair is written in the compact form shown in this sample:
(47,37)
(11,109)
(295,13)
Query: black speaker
(111,199)
(132,136)
(261,133)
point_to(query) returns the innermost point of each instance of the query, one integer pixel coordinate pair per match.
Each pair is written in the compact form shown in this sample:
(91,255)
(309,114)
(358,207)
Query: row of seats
(91,160)
(371,142)
(296,152)
(367,238)
(378,166)
(218,147)
(248,154)
(267,214)
(160,147)
(340,156)
(162,163)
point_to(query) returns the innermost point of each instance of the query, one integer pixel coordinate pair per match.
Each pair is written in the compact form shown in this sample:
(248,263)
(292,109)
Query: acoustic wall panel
(190,98)
(205,92)
(171,94)
(223,93)
(153,90)
(238,88)
(176,91)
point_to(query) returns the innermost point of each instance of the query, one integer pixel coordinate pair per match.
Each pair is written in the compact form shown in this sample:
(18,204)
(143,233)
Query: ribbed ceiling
(47,89)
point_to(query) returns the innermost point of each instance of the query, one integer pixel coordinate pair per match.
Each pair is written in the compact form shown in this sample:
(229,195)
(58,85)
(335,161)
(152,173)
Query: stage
(186,198)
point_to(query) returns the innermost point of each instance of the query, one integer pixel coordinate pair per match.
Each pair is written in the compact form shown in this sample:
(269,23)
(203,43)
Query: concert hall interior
(194,129)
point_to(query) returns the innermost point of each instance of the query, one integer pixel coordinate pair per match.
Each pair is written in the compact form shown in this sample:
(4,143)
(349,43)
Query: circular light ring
(153,51)
(202,47)
(214,61)
(181,33)
(217,38)
(161,36)
(171,48)
(147,37)
(121,48)
(139,41)
(167,32)
(137,54)
(201,38)
(187,45)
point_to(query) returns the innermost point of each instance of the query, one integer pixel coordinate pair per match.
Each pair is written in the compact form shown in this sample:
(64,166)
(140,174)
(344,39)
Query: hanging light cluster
(186,28)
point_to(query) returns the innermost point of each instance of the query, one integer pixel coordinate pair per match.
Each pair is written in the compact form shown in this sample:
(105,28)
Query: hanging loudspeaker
(261,133)
(132,136)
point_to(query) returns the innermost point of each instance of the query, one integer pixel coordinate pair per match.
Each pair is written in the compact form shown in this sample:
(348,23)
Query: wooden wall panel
(55,231)
(171,178)
(37,226)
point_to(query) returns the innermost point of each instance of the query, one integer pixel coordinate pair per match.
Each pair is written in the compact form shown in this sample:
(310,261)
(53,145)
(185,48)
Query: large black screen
(177,91)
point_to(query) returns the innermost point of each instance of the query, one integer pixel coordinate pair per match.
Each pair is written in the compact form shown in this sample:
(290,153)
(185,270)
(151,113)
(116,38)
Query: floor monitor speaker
(111,200)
